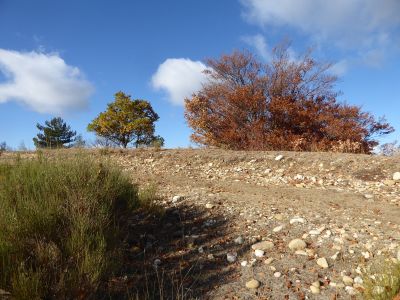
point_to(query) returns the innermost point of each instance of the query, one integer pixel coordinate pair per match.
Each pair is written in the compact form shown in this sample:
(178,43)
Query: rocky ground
(269,225)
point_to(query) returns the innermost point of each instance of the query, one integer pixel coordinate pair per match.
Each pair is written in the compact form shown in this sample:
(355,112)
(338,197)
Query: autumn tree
(286,104)
(126,121)
(55,133)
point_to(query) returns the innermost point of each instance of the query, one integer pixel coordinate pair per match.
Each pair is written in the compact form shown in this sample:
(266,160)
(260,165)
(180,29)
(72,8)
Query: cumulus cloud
(179,78)
(348,24)
(43,82)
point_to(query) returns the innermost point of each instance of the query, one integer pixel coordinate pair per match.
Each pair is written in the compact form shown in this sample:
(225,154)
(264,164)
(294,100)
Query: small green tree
(54,134)
(126,121)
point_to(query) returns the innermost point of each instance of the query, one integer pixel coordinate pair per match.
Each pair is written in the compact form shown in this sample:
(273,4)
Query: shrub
(283,105)
(382,280)
(61,226)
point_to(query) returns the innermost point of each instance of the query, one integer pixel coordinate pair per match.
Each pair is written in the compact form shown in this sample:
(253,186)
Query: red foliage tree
(284,105)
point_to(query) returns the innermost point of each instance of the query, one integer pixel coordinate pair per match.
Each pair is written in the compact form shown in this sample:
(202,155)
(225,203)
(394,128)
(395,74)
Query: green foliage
(3,147)
(382,280)
(62,223)
(126,121)
(56,134)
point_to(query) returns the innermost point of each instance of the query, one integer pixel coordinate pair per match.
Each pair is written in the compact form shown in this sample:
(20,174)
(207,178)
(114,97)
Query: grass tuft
(62,226)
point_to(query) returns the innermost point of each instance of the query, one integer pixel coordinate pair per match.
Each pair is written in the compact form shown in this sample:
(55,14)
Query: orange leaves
(285,105)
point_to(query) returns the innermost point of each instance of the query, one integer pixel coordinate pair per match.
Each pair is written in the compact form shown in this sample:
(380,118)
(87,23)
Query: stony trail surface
(338,212)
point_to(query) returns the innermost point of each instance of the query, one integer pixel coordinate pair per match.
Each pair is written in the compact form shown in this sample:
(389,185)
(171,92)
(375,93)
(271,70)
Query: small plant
(382,280)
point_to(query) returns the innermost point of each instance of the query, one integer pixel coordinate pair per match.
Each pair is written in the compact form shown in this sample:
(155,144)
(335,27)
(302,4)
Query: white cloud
(179,78)
(44,82)
(258,42)
(349,24)
(339,68)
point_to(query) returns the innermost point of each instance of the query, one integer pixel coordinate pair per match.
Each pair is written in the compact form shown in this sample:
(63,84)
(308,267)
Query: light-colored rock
(389,182)
(316,284)
(259,253)
(396,176)
(243,263)
(301,252)
(239,240)
(231,257)
(315,290)
(279,157)
(268,260)
(347,280)
(322,262)
(297,220)
(358,280)
(253,284)
(209,205)
(277,274)
(350,290)
(177,198)
(264,245)
(297,244)
(277,228)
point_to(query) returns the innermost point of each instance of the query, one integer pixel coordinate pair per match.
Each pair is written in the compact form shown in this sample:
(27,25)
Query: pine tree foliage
(54,134)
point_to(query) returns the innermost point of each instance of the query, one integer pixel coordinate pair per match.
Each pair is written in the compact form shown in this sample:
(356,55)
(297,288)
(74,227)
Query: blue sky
(69,57)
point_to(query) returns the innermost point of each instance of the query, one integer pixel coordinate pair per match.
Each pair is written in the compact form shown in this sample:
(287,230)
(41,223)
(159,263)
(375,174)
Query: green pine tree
(54,134)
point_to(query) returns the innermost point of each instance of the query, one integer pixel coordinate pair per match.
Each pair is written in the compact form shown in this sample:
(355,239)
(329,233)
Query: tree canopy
(286,104)
(54,134)
(126,121)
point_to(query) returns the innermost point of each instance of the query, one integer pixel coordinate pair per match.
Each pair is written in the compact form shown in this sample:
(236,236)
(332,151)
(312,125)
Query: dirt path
(345,208)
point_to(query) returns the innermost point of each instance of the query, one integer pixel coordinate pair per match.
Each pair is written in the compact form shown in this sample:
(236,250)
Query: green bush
(382,280)
(61,226)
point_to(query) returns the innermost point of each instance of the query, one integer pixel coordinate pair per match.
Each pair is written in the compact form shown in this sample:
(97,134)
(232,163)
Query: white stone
(209,205)
(314,289)
(243,263)
(396,176)
(239,240)
(277,228)
(347,280)
(279,157)
(231,257)
(350,290)
(264,245)
(322,263)
(358,280)
(297,244)
(177,198)
(252,284)
(259,253)
(268,260)
(277,274)
(297,220)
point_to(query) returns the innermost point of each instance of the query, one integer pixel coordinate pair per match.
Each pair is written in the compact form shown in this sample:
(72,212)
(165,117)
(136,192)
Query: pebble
(314,289)
(279,157)
(231,257)
(396,176)
(177,198)
(239,240)
(322,263)
(259,253)
(243,263)
(358,280)
(264,245)
(297,244)
(277,228)
(268,260)
(209,205)
(297,220)
(347,280)
(252,284)
(277,274)
(350,290)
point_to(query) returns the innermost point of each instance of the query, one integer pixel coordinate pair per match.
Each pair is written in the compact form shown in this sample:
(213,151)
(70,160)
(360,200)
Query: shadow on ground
(181,255)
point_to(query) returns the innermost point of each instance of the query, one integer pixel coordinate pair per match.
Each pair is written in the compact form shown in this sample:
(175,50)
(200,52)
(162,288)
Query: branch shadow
(181,255)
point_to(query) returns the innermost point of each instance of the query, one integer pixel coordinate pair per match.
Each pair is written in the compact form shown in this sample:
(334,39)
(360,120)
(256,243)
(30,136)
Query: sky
(69,57)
